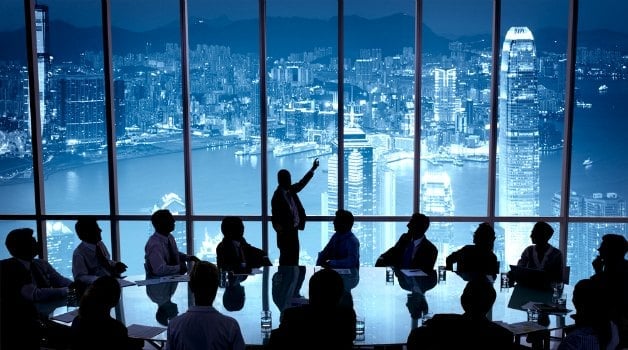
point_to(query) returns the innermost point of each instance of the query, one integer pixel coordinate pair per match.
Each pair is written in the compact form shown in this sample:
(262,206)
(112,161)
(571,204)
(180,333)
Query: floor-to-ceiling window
(262,85)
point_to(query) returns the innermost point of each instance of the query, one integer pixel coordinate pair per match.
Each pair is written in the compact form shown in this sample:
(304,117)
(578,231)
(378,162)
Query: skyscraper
(518,139)
(437,200)
(444,94)
(359,190)
(43,58)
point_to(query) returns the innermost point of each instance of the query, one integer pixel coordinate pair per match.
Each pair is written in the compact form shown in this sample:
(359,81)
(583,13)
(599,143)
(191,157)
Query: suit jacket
(424,257)
(282,214)
(19,319)
(228,258)
(452,331)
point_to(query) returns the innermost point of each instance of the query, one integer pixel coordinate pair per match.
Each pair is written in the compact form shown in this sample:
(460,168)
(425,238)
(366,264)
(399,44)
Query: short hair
(231,225)
(19,240)
(545,229)
(83,226)
(484,235)
(204,279)
(102,294)
(345,218)
(616,245)
(159,217)
(283,177)
(326,288)
(478,296)
(422,221)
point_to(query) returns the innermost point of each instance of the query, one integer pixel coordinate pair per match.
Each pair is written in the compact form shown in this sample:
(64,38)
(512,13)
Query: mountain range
(285,36)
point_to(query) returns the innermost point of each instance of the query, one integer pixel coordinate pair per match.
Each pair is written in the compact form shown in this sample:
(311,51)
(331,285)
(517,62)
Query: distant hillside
(285,36)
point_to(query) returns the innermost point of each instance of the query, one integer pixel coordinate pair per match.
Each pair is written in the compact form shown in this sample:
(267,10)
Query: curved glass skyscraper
(518,138)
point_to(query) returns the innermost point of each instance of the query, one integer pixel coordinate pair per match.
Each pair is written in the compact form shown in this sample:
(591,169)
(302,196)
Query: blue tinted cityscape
(379,131)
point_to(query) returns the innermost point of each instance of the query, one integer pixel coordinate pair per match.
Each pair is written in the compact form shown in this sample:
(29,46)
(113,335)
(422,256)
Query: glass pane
(599,171)
(16,158)
(302,93)
(455,111)
(225,106)
(72,107)
(147,62)
(8,226)
(582,244)
(378,109)
(531,96)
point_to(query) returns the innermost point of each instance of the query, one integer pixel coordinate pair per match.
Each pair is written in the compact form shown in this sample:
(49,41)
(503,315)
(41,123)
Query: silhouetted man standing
(289,214)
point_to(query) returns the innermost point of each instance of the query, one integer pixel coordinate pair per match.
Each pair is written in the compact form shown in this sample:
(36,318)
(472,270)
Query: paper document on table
(144,332)
(125,283)
(413,272)
(343,271)
(67,317)
(521,327)
(175,278)
(148,281)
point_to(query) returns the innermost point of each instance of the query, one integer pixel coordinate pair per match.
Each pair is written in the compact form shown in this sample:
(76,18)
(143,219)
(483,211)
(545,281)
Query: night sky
(446,17)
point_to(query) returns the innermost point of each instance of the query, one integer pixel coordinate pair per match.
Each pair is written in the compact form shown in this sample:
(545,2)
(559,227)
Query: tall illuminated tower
(444,94)
(437,200)
(43,58)
(518,138)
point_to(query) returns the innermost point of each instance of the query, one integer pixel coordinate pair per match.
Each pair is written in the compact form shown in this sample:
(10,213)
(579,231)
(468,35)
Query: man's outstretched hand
(315,164)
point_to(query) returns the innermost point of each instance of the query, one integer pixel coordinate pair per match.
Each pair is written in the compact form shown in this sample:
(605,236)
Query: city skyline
(302,99)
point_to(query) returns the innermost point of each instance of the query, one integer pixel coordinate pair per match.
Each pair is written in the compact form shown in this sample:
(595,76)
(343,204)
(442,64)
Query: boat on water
(602,89)
(587,162)
(293,148)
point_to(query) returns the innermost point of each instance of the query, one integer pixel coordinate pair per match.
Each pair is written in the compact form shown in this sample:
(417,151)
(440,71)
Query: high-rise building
(437,200)
(445,94)
(82,108)
(518,138)
(43,59)
(359,190)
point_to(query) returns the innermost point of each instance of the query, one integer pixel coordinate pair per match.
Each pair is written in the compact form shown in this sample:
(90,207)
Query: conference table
(390,307)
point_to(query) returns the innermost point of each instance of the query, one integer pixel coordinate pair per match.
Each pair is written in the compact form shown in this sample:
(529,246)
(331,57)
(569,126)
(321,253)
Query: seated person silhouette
(234,253)
(611,272)
(322,323)
(343,252)
(540,256)
(30,289)
(471,330)
(94,328)
(202,326)
(163,258)
(593,321)
(91,258)
(413,250)
(477,259)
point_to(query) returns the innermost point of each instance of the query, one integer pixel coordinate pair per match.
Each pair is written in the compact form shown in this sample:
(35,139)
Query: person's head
(418,225)
(589,301)
(87,229)
(613,247)
(21,244)
(204,278)
(232,227)
(343,221)
(163,221)
(283,178)
(478,297)
(541,233)
(100,296)
(484,236)
(326,288)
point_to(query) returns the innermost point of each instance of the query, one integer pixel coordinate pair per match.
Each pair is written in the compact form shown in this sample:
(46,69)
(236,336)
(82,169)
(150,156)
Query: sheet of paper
(175,278)
(144,332)
(521,327)
(67,317)
(125,283)
(343,271)
(413,272)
